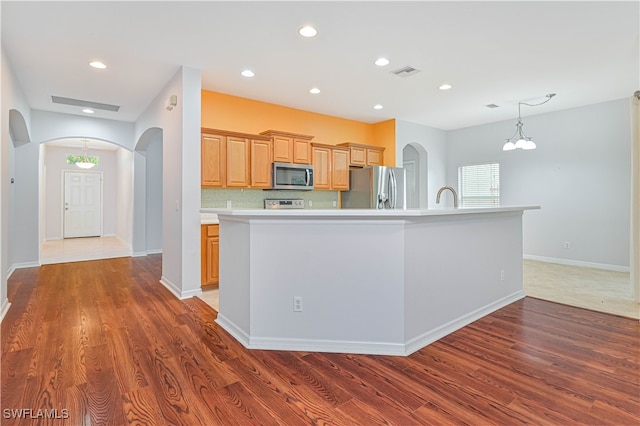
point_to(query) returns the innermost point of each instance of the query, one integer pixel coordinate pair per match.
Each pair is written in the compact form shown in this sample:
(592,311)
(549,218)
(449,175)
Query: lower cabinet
(210,255)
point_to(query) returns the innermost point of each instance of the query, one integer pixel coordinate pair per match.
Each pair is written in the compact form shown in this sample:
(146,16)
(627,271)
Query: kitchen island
(364,281)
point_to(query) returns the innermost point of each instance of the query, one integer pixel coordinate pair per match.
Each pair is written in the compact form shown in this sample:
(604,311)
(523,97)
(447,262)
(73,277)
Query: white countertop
(357,213)
(208,218)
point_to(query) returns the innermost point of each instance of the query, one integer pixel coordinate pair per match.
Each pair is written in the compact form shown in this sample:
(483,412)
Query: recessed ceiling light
(378,106)
(97,64)
(308,31)
(445,87)
(248,73)
(381,62)
(88,110)
(315,91)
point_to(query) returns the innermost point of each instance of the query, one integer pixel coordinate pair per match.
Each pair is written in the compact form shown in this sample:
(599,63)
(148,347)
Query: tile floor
(595,289)
(211,298)
(79,249)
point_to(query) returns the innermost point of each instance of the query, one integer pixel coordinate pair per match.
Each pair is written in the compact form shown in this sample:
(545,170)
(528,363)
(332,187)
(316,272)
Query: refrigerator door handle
(392,189)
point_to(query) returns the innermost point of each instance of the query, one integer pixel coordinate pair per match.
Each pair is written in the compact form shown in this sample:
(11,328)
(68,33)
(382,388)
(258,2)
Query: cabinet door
(340,169)
(237,162)
(301,151)
(212,160)
(321,157)
(282,149)
(213,260)
(374,157)
(358,156)
(210,254)
(260,164)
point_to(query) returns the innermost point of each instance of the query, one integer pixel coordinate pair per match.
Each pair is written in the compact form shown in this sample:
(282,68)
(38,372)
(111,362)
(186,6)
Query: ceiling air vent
(405,71)
(85,104)
(492,106)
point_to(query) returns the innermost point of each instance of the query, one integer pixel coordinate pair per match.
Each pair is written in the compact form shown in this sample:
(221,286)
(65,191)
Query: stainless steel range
(284,204)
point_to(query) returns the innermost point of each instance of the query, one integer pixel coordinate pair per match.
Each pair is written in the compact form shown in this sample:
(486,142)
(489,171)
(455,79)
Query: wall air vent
(84,104)
(492,106)
(405,71)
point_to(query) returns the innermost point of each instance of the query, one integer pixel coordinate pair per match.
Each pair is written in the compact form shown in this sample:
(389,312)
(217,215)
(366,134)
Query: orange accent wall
(227,112)
(384,135)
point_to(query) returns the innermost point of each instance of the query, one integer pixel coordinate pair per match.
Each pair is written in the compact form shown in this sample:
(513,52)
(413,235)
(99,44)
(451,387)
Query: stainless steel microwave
(292,176)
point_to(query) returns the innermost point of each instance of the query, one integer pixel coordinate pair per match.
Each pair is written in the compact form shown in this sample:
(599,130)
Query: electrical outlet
(502,275)
(335,203)
(567,245)
(177,205)
(310,203)
(229,204)
(297,303)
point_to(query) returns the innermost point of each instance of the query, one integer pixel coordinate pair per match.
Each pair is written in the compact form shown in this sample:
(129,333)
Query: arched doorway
(109,193)
(414,161)
(148,187)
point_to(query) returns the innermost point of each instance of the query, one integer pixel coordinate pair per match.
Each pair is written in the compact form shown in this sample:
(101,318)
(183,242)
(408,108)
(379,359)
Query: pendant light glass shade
(519,140)
(85,163)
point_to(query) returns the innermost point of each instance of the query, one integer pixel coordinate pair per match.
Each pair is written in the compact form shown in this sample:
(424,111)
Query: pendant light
(519,140)
(85,163)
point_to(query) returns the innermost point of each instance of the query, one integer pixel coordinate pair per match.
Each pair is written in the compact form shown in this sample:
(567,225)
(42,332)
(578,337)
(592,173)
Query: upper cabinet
(330,167)
(235,160)
(290,147)
(213,160)
(364,155)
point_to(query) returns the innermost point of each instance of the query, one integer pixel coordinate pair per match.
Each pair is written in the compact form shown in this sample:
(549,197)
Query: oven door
(292,176)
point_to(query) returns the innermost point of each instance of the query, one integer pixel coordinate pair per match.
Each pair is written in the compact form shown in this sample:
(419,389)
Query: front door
(82,204)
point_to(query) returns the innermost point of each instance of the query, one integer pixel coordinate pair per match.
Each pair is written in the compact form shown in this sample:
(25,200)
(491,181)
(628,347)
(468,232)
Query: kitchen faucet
(453,191)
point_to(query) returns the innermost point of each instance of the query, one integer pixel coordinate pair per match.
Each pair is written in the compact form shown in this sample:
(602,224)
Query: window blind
(479,185)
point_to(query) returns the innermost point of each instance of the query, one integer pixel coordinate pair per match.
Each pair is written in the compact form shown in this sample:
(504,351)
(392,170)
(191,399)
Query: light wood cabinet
(290,147)
(210,255)
(213,160)
(364,155)
(340,169)
(235,160)
(260,163)
(330,167)
(321,160)
(238,150)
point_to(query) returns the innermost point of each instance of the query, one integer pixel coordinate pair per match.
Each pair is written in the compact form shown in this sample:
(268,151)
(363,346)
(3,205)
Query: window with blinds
(479,185)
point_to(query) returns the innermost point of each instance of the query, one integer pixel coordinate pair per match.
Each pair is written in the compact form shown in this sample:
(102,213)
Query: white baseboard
(308,345)
(170,286)
(570,262)
(15,266)
(4,308)
(356,347)
(431,336)
(177,292)
(146,253)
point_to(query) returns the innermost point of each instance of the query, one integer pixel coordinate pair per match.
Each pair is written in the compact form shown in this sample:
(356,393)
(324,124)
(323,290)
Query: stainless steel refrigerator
(376,187)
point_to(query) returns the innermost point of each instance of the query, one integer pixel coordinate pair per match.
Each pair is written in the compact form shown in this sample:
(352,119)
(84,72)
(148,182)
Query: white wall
(19,198)
(579,175)
(55,164)
(153,200)
(434,142)
(124,195)
(180,179)
(12,98)
(48,126)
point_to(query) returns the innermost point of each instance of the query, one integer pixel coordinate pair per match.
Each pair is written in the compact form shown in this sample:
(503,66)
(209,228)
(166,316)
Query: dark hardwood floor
(102,342)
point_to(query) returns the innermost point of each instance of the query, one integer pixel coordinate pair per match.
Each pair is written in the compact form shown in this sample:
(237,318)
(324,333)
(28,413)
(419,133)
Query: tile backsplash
(254,198)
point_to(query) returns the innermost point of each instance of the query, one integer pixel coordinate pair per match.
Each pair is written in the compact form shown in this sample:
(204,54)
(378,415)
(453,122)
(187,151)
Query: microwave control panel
(284,204)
